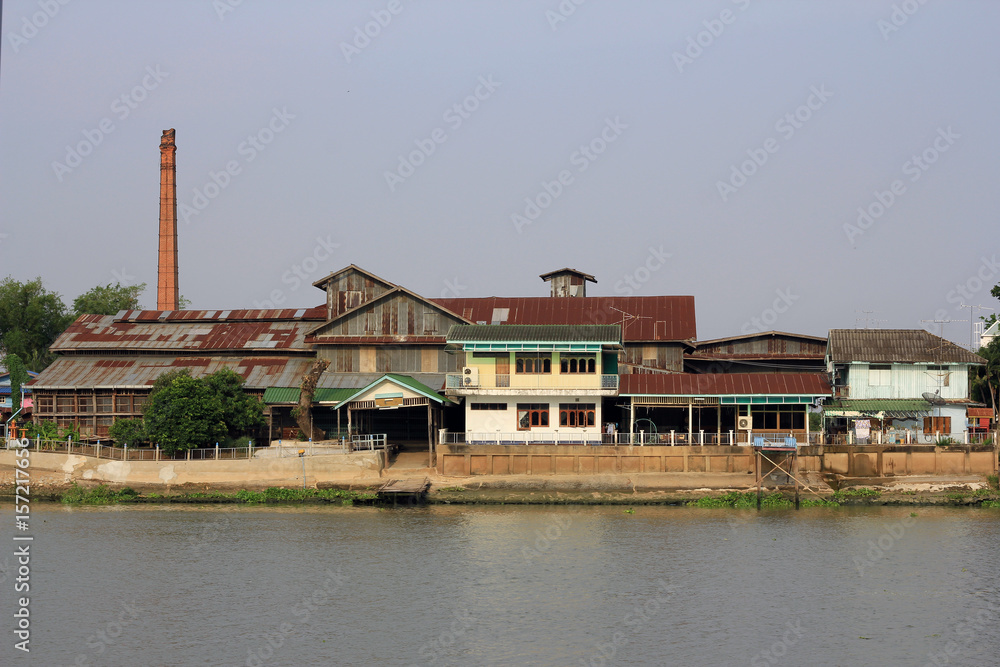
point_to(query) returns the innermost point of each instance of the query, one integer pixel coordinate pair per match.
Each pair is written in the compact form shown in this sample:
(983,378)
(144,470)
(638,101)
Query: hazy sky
(719,149)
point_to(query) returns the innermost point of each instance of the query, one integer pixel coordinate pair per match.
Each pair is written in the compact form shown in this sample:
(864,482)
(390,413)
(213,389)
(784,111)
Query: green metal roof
(891,407)
(609,334)
(290,395)
(404,380)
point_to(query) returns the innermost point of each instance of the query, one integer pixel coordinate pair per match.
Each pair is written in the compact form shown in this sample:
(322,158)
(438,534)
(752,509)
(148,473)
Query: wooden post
(430,433)
(795,475)
(757,475)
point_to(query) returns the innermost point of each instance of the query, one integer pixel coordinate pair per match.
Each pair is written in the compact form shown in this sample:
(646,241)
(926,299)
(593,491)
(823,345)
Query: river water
(482,585)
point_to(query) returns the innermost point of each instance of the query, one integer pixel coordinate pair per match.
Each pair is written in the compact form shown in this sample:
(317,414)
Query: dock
(411,491)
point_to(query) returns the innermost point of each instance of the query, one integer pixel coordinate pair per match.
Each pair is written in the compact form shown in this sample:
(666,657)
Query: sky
(799,166)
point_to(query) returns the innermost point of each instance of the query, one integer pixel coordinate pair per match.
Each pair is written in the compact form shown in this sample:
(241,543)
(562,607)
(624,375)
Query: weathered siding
(397,315)
(351,289)
(667,357)
(908,381)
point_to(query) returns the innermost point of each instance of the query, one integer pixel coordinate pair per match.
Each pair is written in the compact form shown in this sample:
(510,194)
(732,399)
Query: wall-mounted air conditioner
(470,376)
(744,423)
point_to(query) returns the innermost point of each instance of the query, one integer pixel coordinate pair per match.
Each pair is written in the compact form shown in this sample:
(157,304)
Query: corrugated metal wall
(908,381)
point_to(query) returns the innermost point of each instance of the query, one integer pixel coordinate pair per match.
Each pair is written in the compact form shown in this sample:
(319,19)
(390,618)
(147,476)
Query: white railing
(368,442)
(532,381)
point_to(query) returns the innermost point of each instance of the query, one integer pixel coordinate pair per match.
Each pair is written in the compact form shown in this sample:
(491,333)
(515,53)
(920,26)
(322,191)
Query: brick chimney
(166,287)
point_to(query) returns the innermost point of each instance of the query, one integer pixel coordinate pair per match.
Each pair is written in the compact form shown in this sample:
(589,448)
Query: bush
(129,432)
(99,495)
(46,430)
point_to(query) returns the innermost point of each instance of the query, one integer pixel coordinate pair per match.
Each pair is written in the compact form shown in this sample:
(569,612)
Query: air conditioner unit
(744,423)
(470,376)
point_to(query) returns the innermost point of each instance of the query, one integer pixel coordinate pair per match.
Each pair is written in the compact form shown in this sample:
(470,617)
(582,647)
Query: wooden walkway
(409,490)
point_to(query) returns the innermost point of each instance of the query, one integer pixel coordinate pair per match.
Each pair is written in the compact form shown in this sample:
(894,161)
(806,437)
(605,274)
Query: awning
(891,408)
(290,395)
(982,413)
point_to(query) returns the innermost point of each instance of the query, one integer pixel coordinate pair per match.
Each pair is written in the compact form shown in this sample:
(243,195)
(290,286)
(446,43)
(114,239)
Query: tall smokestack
(166,288)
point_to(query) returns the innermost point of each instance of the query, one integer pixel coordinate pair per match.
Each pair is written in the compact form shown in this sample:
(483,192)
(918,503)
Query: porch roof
(400,380)
(290,395)
(535,337)
(731,387)
(894,408)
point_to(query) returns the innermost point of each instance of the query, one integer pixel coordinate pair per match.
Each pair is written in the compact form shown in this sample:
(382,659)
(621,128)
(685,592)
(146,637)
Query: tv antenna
(868,319)
(629,318)
(972,325)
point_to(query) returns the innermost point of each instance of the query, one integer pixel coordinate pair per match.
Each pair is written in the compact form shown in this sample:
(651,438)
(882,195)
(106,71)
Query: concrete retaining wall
(335,468)
(852,461)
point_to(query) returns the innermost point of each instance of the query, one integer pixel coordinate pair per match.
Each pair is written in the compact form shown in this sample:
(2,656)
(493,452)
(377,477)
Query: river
(506,585)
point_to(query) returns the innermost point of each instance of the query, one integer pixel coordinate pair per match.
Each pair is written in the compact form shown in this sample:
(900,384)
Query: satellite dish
(933,399)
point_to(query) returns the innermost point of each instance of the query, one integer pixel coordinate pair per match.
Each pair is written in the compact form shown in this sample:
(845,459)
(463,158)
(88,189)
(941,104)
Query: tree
(18,378)
(129,432)
(184,412)
(303,413)
(240,411)
(31,318)
(986,381)
(108,299)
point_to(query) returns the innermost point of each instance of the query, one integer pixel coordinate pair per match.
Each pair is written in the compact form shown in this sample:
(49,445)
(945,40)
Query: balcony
(555,384)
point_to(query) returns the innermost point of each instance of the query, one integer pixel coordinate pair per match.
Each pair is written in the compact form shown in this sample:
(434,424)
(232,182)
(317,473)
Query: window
(878,375)
(532,415)
(65,403)
(577,364)
(43,404)
(577,415)
(779,419)
(123,403)
(532,363)
(940,425)
(488,406)
(104,402)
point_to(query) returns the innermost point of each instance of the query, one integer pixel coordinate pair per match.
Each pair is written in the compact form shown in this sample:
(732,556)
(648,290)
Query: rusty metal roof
(175,331)
(604,333)
(896,346)
(642,318)
(141,372)
(724,384)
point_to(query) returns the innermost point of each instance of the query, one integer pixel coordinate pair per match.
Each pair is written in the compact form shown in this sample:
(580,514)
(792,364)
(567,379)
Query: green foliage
(46,430)
(990,503)
(854,493)
(986,379)
(31,318)
(108,299)
(285,495)
(818,502)
(744,500)
(99,495)
(993,481)
(129,431)
(945,442)
(815,422)
(18,378)
(241,412)
(183,412)
(69,432)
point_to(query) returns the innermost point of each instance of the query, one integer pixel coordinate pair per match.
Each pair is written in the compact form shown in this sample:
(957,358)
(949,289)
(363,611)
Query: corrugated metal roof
(290,395)
(897,408)
(104,332)
(896,346)
(586,276)
(599,333)
(979,412)
(397,378)
(138,372)
(642,318)
(724,384)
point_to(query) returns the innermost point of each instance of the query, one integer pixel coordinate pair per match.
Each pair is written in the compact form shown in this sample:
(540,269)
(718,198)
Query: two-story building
(902,385)
(535,383)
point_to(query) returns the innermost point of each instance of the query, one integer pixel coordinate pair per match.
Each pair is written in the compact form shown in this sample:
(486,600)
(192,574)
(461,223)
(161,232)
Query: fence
(698,438)
(101,451)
